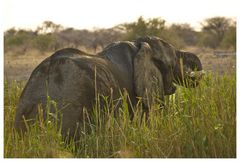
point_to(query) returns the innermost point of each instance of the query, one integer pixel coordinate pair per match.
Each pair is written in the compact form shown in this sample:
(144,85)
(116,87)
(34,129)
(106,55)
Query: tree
(103,37)
(48,27)
(10,32)
(185,32)
(18,38)
(214,29)
(44,42)
(229,39)
(150,27)
(155,26)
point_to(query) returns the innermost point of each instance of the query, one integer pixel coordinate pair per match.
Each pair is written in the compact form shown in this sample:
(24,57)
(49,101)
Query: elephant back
(121,54)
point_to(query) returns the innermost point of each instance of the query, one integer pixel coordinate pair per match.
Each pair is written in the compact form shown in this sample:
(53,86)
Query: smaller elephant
(146,68)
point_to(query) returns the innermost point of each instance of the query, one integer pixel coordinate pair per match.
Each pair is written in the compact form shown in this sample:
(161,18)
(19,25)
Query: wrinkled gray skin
(145,68)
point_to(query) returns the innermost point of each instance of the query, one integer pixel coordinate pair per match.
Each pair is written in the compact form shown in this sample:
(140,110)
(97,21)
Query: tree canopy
(216,32)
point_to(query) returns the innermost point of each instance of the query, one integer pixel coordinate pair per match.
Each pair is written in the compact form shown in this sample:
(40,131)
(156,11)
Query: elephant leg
(71,87)
(33,96)
(145,111)
(131,101)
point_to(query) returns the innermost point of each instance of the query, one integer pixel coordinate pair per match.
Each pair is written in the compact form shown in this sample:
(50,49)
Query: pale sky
(88,14)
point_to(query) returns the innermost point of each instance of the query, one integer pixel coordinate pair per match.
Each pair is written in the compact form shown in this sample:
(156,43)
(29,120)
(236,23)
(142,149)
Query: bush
(229,39)
(44,42)
(140,28)
(20,38)
(172,37)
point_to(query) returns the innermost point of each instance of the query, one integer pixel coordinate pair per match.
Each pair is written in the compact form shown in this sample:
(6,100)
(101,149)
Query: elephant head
(188,70)
(183,68)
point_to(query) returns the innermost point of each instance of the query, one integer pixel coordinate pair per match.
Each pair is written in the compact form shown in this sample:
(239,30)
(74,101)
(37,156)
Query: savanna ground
(199,122)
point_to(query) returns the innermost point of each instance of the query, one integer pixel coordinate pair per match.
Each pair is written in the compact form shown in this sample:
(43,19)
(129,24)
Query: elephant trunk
(188,70)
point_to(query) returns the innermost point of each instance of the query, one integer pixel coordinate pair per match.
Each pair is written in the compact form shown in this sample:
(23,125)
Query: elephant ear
(164,58)
(148,81)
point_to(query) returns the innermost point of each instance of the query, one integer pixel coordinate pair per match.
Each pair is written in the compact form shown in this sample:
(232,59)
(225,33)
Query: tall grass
(197,122)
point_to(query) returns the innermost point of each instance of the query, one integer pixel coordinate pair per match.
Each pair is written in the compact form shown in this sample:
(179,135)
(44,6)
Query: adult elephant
(145,68)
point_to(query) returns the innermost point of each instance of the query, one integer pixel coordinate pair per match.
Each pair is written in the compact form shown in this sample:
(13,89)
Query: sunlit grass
(197,122)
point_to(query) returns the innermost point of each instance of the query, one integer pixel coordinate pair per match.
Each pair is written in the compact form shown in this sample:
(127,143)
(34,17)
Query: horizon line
(196,27)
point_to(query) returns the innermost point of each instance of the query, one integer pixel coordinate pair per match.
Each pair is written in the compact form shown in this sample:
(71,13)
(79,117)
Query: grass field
(199,122)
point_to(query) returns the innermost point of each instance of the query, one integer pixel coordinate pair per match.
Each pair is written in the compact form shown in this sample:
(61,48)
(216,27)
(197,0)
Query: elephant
(145,68)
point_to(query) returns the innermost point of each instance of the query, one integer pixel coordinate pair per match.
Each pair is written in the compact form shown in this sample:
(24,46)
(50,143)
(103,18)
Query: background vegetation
(216,32)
